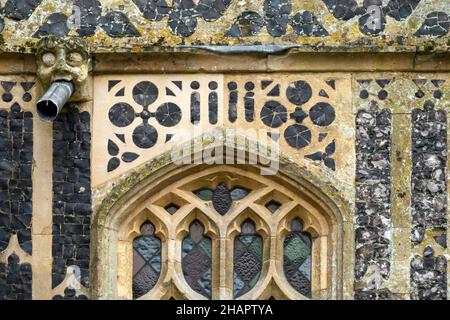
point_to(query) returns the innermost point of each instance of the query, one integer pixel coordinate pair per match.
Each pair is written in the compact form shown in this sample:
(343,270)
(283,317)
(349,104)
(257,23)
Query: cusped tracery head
(62,59)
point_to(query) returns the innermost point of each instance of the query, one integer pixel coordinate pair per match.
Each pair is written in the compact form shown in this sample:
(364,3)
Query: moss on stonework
(287,166)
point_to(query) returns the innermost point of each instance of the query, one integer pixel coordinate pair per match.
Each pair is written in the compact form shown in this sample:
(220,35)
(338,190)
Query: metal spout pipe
(51,103)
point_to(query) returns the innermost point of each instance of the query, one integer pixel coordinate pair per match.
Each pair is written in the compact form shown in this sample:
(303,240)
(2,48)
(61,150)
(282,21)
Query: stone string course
(71,193)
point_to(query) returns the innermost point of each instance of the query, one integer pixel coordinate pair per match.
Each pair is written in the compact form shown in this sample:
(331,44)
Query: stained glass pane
(196,259)
(273,205)
(297,258)
(146,260)
(221,199)
(248,252)
(205,194)
(171,208)
(238,193)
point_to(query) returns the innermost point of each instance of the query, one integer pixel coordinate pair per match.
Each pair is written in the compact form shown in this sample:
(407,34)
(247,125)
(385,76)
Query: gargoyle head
(64,58)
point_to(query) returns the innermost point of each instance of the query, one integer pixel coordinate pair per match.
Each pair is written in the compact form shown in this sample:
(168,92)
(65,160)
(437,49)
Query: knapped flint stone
(305,23)
(277,16)
(429,276)
(20,9)
(401,9)
(436,24)
(71,199)
(428,251)
(298,136)
(441,240)
(90,11)
(117,24)
(373,144)
(273,114)
(322,114)
(429,201)
(343,9)
(211,10)
(153,10)
(248,23)
(182,22)
(145,136)
(15,280)
(299,92)
(56,24)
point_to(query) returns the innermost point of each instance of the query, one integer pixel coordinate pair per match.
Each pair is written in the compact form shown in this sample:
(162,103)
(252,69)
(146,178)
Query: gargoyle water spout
(63,67)
(51,103)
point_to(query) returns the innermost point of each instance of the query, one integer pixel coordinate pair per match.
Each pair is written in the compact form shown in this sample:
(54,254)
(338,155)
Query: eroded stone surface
(125,26)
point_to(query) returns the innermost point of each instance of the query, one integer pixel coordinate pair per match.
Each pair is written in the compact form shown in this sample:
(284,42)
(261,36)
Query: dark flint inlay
(117,24)
(195,107)
(56,24)
(15,280)
(277,16)
(232,101)
(273,114)
(20,9)
(436,24)
(145,136)
(249,102)
(305,23)
(168,114)
(221,199)
(16,157)
(153,10)
(247,24)
(121,114)
(70,294)
(212,107)
(90,13)
(322,114)
(299,92)
(71,193)
(145,93)
(297,136)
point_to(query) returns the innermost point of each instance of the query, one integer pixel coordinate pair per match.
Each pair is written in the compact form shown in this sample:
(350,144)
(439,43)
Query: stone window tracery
(264,242)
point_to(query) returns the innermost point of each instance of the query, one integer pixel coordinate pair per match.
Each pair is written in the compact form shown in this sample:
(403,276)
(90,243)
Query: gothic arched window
(223,233)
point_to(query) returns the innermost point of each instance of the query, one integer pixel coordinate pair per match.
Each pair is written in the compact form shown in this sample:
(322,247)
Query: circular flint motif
(27,97)
(168,114)
(273,114)
(297,136)
(299,92)
(322,114)
(7,97)
(145,93)
(145,136)
(121,114)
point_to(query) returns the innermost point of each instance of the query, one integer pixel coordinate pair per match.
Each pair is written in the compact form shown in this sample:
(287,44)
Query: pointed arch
(309,197)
